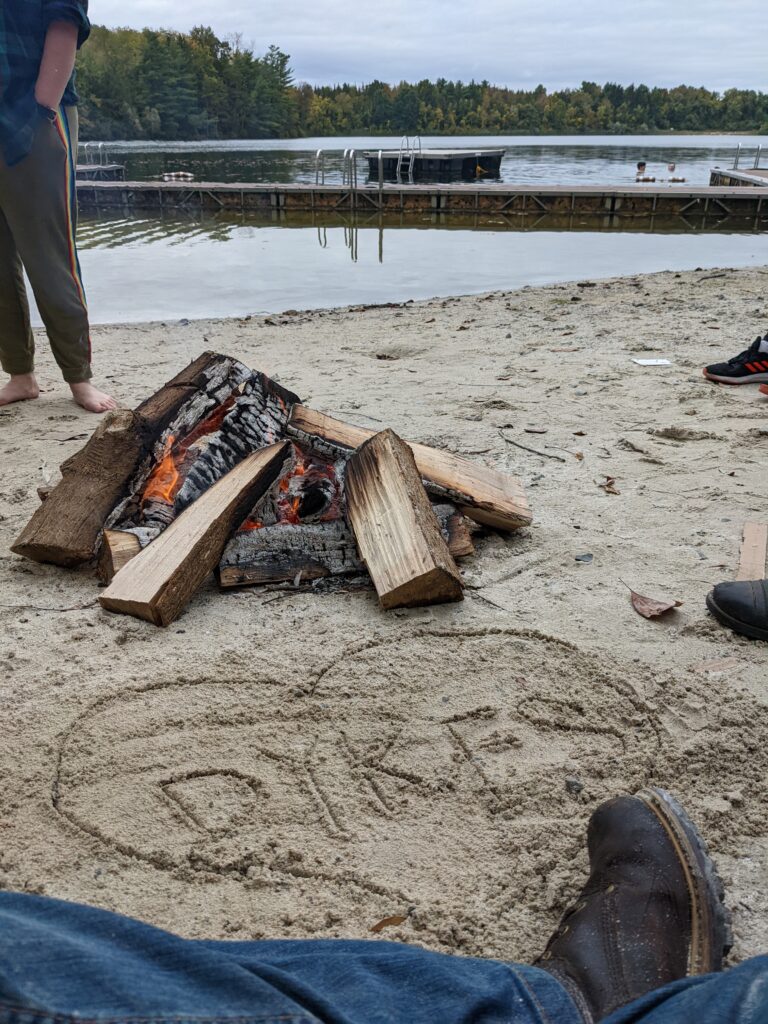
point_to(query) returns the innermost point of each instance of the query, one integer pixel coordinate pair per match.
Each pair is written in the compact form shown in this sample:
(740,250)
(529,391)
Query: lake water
(159,269)
(559,160)
(142,267)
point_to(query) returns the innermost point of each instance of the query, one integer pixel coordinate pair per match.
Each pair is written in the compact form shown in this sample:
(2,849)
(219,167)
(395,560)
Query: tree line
(173,85)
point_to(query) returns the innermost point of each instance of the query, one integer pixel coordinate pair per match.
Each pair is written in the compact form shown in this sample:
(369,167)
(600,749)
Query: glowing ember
(309,490)
(165,479)
(252,524)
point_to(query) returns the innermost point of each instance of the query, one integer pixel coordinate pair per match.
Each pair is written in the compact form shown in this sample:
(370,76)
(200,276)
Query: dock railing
(102,153)
(349,169)
(740,152)
(320,167)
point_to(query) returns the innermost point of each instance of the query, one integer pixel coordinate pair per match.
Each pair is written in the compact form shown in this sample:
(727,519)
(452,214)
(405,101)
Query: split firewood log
(158,583)
(484,494)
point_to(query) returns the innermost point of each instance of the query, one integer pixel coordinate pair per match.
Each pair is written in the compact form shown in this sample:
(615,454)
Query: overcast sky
(717,43)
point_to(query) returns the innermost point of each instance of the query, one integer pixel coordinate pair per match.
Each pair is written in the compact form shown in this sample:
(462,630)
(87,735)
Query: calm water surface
(146,267)
(578,159)
(141,268)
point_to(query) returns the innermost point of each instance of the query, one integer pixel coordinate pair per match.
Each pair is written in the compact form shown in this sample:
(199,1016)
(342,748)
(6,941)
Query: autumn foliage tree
(174,85)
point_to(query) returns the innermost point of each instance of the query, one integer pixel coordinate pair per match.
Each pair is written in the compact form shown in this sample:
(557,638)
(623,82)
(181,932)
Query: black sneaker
(749,367)
(742,606)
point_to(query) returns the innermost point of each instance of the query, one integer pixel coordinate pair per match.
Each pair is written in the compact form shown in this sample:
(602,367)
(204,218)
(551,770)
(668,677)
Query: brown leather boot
(650,913)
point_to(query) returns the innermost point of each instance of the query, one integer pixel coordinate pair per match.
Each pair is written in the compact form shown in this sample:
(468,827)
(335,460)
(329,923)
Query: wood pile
(224,469)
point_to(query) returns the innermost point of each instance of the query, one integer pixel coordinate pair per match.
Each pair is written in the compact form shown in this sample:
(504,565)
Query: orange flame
(164,480)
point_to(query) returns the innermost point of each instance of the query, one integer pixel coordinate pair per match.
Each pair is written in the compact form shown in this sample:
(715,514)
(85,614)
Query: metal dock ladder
(407,155)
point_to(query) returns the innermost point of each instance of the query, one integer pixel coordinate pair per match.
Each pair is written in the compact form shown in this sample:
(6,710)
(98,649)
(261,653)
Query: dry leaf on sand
(608,485)
(650,607)
(389,922)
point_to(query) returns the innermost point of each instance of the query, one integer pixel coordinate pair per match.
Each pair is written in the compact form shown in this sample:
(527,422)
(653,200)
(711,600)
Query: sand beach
(298,762)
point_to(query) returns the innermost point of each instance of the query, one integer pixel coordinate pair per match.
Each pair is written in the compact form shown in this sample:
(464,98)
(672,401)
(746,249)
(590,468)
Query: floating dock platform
(755,176)
(100,172)
(691,203)
(417,164)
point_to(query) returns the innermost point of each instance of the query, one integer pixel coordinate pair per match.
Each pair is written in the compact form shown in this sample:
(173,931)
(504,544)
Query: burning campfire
(225,469)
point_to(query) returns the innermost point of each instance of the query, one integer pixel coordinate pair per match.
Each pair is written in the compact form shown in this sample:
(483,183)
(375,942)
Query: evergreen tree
(173,85)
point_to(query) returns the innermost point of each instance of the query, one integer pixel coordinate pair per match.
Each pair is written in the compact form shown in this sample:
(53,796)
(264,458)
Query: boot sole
(744,628)
(711,935)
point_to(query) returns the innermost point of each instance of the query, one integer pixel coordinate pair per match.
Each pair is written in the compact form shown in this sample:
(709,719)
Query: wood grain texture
(66,526)
(158,583)
(484,494)
(117,549)
(754,548)
(397,533)
(65,529)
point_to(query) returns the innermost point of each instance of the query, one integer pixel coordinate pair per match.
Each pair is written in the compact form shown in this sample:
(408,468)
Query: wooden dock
(494,199)
(100,172)
(754,176)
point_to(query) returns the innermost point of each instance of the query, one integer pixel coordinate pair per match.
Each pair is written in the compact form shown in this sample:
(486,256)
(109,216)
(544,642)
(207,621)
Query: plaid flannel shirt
(23,27)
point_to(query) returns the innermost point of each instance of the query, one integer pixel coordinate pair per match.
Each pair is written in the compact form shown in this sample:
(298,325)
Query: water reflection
(198,265)
(106,229)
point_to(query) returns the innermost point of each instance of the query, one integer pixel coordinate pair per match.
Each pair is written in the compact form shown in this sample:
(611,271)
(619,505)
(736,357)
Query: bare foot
(20,388)
(90,398)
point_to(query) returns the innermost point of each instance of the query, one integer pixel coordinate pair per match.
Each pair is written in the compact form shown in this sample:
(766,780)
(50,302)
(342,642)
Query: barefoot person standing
(38,154)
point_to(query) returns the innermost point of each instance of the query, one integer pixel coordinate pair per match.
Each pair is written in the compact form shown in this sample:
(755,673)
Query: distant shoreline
(671,133)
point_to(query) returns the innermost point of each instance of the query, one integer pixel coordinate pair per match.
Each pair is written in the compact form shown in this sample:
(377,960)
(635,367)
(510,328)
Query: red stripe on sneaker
(751,367)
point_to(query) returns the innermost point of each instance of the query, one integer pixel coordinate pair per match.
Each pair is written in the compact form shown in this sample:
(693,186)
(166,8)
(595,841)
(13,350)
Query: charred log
(257,418)
(67,526)
(307,551)
(246,412)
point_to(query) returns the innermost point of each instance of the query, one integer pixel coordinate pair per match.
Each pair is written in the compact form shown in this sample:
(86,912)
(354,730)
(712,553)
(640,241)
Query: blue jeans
(62,962)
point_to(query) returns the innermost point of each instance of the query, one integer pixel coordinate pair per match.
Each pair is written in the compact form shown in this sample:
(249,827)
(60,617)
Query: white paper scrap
(652,362)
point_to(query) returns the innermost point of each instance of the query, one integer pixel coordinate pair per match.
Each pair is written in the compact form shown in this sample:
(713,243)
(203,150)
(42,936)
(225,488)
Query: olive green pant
(38,219)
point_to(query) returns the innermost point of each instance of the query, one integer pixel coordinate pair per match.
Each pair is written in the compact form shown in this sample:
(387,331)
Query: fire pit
(225,469)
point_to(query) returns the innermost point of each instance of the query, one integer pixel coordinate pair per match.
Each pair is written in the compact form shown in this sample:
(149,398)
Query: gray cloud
(508,42)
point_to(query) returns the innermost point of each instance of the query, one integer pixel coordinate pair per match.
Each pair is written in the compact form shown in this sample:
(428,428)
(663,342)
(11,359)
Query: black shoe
(650,913)
(748,367)
(743,606)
